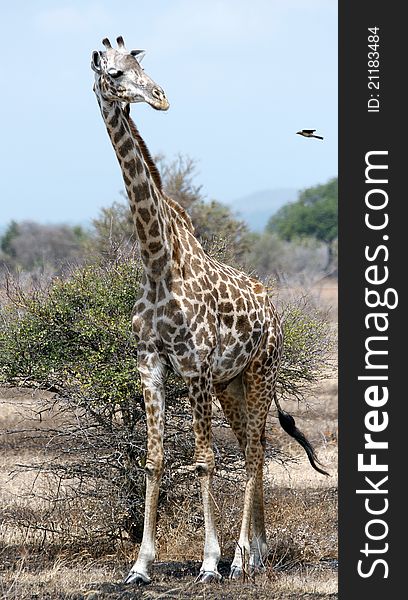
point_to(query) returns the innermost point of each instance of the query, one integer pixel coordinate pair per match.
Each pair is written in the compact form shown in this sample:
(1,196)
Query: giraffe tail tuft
(288,424)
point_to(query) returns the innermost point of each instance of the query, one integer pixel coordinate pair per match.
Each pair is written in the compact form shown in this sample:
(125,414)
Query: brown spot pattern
(213,324)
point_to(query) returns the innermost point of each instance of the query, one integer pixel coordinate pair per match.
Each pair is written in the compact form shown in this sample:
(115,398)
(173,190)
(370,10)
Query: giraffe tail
(288,424)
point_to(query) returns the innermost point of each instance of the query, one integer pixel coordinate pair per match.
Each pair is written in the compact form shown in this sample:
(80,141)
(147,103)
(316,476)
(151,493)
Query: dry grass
(102,581)
(301,515)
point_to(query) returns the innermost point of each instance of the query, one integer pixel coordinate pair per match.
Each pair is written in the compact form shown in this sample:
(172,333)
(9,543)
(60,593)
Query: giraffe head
(119,76)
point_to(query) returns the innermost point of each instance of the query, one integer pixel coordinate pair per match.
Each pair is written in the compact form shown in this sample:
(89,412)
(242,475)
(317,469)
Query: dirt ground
(300,509)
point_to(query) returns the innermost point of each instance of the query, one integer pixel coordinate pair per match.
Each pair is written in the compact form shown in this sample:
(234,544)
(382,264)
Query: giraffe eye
(115,73)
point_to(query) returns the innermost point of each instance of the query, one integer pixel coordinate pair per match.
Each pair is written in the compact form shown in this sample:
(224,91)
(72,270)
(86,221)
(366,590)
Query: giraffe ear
(138,54)
(96,61)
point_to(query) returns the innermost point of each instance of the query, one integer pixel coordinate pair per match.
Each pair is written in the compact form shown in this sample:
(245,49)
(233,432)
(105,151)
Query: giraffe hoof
(208,577)
(255,568)
(137,578)
(235,572)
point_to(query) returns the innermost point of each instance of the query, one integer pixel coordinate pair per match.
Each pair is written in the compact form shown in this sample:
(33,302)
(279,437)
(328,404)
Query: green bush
(76,335)
(308,343)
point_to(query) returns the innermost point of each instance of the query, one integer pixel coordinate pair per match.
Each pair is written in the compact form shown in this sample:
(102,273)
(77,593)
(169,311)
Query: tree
(6,243)
(313,215)
(178,180)
(114,229)
(299,261)
(29,246)
(210,219)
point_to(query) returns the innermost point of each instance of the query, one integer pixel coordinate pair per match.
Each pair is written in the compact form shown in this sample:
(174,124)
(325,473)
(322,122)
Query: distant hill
(256,208)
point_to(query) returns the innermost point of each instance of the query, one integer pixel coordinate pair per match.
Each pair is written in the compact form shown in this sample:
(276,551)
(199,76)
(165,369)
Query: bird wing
(308,130)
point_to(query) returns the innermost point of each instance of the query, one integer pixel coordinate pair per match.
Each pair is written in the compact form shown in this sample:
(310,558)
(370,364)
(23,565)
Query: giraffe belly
(194,345)
(230,360)
(224,365)
(191,354)
(195,337)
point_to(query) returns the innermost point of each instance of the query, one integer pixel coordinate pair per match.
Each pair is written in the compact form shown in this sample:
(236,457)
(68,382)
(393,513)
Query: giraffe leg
(259,383)
(259,548)
(233,402)
(152,375)
(201,404)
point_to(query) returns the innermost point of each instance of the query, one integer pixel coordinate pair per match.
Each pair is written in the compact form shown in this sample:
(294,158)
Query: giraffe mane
(154,172)
(145,150)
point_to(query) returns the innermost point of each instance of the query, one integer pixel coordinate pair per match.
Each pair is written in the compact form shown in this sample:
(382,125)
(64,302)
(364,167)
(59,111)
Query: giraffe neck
(182,215)
(149,209)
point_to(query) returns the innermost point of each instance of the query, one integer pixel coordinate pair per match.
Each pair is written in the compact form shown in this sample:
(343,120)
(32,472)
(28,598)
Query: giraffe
(211,324)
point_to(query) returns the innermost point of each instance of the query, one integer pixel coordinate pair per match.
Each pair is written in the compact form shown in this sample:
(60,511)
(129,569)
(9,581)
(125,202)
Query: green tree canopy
(314,215)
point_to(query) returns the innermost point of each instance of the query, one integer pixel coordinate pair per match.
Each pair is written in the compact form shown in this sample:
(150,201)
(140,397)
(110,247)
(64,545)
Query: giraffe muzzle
(160,101)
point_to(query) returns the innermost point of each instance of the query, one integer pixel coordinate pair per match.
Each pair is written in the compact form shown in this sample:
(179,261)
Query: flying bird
(309,133)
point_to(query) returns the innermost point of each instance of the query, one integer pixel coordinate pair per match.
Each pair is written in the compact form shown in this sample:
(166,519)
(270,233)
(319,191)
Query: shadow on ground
(174,580)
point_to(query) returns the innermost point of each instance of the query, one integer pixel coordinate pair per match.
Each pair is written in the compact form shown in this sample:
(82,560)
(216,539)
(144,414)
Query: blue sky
(241,77)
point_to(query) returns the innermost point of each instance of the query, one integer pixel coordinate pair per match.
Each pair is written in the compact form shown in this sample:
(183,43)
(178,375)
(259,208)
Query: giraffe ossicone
(213,325)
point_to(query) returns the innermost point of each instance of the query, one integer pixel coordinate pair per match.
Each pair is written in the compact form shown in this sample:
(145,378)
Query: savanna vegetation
(73,472)
(299,242)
